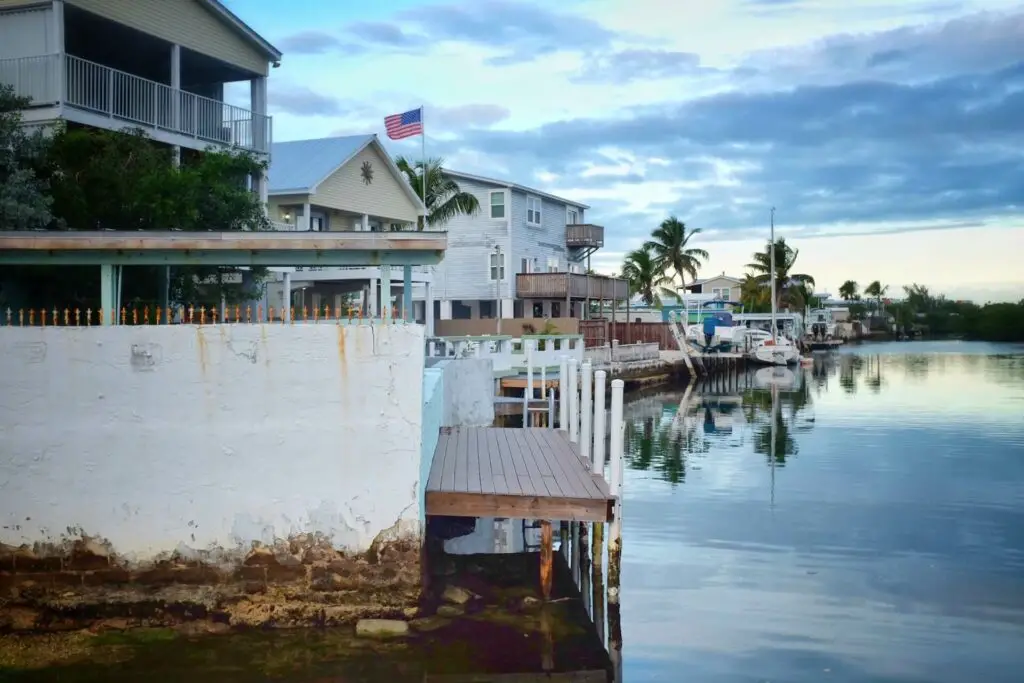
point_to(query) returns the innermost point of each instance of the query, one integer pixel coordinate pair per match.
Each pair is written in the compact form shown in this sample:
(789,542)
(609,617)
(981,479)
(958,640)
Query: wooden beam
(517,507)
(546,559)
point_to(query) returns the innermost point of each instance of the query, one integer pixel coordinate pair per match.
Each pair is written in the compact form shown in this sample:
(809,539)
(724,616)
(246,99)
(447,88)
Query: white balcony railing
(122,96)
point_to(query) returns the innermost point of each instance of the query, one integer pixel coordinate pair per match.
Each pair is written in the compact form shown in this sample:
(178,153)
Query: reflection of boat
(783,378)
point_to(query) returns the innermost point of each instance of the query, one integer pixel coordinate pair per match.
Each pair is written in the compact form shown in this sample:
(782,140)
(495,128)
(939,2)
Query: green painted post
(107,293)
(407,293)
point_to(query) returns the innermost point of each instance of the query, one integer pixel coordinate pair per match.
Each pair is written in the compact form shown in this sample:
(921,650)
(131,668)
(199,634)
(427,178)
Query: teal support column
(107,286)
(407,293)
(385,292)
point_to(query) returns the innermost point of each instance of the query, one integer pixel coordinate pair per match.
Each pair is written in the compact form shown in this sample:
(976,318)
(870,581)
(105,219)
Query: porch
(108,75)
(295,215)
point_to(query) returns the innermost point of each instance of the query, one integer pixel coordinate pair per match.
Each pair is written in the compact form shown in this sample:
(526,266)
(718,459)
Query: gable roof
(299,166)
(722,276)
(243,29)
(521,188)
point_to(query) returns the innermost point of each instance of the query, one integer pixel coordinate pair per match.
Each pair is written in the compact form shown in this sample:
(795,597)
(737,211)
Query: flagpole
(423,140)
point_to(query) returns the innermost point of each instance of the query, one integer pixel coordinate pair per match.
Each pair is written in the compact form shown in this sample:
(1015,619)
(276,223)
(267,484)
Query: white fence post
(615,486)
(599,422)
(586,409)
(563,393)
(574,402)
(528,394)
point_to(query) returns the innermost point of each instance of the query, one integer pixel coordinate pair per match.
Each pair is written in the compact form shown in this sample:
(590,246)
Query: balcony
(570,286)
(584,235)
(92,88)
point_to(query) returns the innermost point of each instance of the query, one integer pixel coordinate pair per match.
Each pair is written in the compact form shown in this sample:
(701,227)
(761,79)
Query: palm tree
(785,259)
(669,243)
(876,290)
(445,200)
(641,271)
(754,295)
(848,290)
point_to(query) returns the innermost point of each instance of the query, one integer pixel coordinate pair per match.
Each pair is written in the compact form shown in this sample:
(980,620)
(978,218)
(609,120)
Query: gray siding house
(526,249)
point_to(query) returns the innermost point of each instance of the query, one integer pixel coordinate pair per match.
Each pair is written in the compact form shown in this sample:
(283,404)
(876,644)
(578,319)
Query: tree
(672,255)
(785,260)
(445,200)
(754,295)
(876,290)
(102,180)
(24,202)
(641,271)
(848,290)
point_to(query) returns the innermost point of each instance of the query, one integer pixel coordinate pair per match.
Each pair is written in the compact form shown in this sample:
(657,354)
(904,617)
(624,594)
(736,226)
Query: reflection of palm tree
(785,444)
(663,447)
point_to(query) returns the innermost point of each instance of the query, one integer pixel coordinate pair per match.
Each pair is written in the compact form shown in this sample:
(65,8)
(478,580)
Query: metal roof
(517,186)
(297,167)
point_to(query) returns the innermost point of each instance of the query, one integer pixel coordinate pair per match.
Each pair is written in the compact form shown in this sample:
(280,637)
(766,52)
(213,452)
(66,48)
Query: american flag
(404,125)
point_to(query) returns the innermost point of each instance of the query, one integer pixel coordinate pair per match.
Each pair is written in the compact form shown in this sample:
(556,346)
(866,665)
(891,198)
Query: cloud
(309,43)
(628,65)
(466,116)
(302,101)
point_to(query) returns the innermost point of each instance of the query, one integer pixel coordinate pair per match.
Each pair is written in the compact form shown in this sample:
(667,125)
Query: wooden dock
(531,473)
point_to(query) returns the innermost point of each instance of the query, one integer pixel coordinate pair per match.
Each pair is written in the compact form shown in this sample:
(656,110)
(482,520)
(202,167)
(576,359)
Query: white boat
(783,378)
(776,349)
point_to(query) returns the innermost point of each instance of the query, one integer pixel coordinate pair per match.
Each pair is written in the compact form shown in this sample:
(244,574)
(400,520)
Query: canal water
(873,533)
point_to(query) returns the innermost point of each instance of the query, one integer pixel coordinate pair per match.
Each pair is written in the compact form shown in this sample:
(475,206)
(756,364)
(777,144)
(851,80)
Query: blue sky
(887,133)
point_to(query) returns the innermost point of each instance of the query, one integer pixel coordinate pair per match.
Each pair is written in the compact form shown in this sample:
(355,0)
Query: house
(527,249)
(337,184)
(719,286)
(159,65)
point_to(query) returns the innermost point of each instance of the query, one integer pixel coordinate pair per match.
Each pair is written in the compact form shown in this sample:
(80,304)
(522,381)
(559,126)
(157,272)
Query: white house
(160,65)
(525,248)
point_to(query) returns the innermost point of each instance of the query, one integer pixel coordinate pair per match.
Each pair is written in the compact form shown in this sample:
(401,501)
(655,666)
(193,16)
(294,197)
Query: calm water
(875,534)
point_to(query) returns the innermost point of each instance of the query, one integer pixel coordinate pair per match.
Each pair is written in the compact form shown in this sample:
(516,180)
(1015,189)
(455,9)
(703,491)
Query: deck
(532,473)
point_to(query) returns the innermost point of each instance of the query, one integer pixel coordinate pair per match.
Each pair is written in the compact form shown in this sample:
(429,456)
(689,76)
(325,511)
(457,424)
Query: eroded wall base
(298,583)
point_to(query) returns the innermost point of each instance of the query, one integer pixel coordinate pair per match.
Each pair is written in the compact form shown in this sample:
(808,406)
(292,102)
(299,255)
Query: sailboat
(776,349)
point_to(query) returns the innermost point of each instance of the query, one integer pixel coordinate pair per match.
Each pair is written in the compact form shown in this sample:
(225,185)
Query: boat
(821,332)
(776,349)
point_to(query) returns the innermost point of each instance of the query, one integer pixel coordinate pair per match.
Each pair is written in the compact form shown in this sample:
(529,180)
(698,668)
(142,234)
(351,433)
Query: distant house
(719,286)
(526,248)
(340,184)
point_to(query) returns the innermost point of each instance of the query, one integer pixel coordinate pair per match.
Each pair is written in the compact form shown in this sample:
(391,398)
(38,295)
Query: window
(572,217)
(498,204)
(553,265)
(496,266)
(533,210)
(722,293)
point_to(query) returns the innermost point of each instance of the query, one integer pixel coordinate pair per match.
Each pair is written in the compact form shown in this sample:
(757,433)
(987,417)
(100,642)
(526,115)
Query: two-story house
(159,65)
(525,251)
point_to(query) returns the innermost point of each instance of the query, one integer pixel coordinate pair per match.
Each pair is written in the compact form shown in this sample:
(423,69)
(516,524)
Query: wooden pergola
(111,249)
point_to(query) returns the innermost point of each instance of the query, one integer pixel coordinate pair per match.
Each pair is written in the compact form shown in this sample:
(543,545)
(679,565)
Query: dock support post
(615,487)
(574,402)
(575,565)
(546,557)
(528,394)
(597,578)
(563,383)
(563,540)
(586,409)
(551,408)
(597,466)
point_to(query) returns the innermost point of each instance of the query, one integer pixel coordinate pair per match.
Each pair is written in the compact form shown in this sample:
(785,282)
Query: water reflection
(860,521)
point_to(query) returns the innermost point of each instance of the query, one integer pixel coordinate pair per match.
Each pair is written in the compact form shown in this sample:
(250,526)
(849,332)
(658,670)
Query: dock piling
(574,401)
(586,409)
(528,393)
(615,486)
(546,558)
(563,405)
(597,466)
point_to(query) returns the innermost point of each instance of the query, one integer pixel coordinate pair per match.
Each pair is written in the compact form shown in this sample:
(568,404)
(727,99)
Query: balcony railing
(571,285)
(584,235)
(122,96)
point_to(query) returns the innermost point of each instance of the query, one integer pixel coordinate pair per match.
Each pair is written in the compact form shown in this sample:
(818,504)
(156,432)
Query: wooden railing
(584,235)
(571,285)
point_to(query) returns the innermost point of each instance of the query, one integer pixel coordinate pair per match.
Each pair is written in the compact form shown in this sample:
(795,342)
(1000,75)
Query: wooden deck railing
(571,285)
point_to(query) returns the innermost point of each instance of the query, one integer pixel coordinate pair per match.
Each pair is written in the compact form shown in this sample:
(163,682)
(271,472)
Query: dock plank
(508,465)
(533,473)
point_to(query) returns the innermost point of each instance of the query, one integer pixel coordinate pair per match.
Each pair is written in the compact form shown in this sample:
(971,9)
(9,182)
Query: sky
(887,134)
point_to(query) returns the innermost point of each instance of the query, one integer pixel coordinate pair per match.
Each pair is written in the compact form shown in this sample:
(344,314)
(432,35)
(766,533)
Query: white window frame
(534,216)
(503,205)
(726,293)
(491,266)
(552,264)
(572,215)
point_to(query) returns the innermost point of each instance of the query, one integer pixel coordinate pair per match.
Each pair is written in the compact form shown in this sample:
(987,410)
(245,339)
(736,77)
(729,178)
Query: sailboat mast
(771,248)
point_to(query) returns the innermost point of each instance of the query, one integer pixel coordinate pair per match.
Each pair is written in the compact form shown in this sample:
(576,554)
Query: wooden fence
(599,332)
